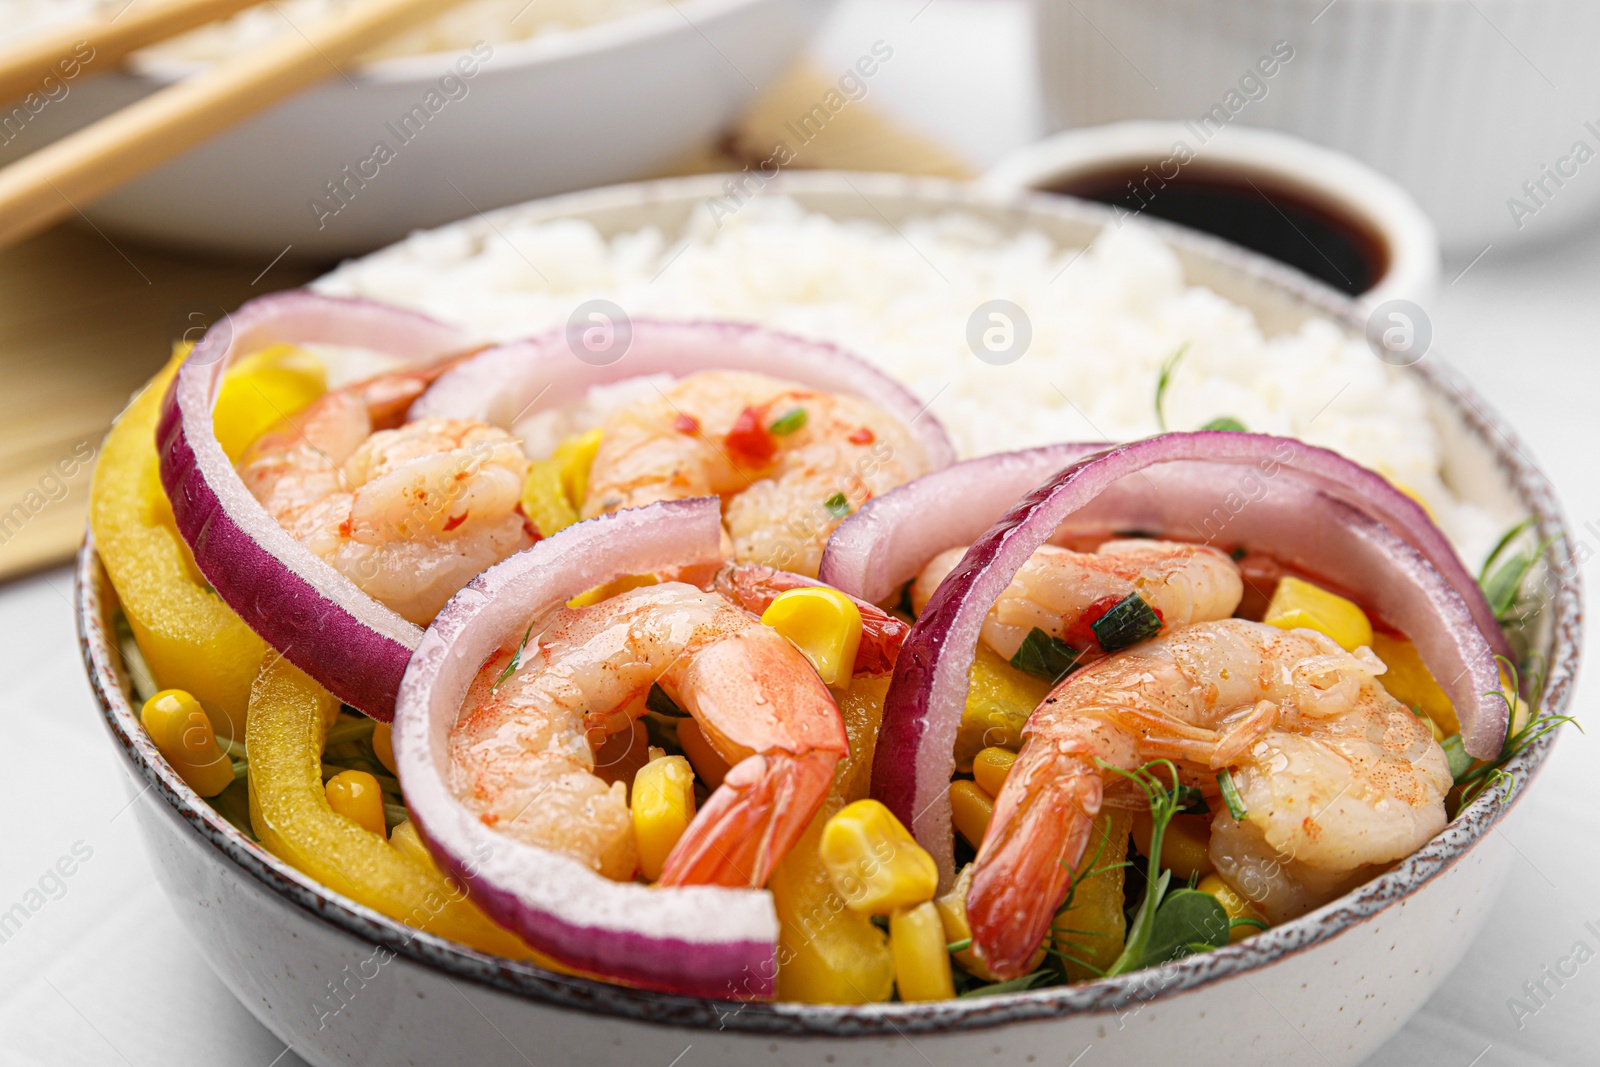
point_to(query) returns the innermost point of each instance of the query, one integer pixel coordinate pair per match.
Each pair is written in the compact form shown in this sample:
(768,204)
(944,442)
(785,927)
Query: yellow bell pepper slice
(183,734)
(662,808)
(828,954)
(1090,931)
(824,624)
(289,809)
(874,862)
(574,457)
(191,640)
(543,500)
(261,390)
(921,958)
(999,700)
(1299,605)
(1409,681)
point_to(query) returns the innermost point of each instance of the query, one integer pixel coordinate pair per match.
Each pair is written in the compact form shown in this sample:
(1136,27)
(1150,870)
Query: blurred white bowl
(1458,100)
(610,102)
(1373,220)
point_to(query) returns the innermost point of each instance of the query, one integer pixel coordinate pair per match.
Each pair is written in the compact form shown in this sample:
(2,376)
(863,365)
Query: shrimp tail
(752,820)
(1042,821)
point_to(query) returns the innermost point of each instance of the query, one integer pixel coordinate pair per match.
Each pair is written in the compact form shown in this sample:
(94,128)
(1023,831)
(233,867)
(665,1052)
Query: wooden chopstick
(61,178)
(26,63)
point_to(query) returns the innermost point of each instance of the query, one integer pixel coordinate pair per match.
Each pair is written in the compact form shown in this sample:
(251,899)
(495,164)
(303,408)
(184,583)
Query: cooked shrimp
(410,513)
(783,492)
(523,752)
(1338,777)
(1057,588)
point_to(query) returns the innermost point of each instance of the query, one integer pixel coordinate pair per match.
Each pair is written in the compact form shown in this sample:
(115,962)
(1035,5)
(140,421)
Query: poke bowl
(341,982)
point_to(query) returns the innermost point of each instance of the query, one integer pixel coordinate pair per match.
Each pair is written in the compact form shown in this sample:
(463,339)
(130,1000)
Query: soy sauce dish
(319,859)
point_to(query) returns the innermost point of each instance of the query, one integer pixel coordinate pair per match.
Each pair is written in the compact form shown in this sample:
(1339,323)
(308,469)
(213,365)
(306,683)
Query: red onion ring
(702,940)
(1307,519)
(500,385)
(348,642)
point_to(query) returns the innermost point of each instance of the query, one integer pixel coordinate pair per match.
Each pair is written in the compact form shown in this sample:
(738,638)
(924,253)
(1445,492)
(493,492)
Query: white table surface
(103,974)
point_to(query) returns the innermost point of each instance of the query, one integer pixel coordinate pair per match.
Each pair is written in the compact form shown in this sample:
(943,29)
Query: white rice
(459,28)
(1103,323)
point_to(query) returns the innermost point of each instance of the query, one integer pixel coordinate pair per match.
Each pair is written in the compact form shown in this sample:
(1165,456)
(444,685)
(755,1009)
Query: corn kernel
(663,807)
(383,746)
(990,768)
(356,796)
(999,700)
(1185,846)
(576,456)
(1235,905)
(921,959)
(182,733)
(709,766)
(875,864)
(970,809)
(1410,682)
(829,954)
(1301,605)
(261,390)
(544,502)
(824,624)
(953,913)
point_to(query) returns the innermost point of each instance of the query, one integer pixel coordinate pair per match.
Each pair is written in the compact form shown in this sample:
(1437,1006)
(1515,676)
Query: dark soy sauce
(1271,217)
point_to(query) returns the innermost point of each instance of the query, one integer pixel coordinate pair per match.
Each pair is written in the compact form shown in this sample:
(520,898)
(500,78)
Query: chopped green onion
(788,424)
(959,946)
(1239,553)
(658,702)
(1129,621)
(516,660)
(1226,423)
(838,505)
(1045,657)
(1230,796)
(1456,754)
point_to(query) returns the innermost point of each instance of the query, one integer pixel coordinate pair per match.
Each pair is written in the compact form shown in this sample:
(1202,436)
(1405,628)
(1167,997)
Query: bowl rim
(424,67)
(93,600)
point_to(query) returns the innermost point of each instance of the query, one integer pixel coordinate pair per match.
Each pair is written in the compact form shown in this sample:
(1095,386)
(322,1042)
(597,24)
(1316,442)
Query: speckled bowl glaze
(344,985)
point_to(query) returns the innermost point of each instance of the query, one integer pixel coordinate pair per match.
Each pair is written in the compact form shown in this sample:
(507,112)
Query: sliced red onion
(501,385)
(1302,513)
(882,546)
(701,940)
(320,620)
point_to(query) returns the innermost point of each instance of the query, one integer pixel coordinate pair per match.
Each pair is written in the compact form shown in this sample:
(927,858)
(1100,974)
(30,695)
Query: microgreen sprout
(1163,381)
(1475,778)
(516,660)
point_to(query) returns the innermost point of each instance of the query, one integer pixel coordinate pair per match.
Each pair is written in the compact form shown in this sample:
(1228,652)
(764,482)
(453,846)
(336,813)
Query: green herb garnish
(959,946)
(1015,985)
(1166,926)
(1226,423)
(1045,657)
(1475,779)
(1502,584)
(788,424)
(1193,801)
(1230,795)
(1239,553)
(1129,621)
(838,505)
(1456,755)
(1163,381)
(516,660)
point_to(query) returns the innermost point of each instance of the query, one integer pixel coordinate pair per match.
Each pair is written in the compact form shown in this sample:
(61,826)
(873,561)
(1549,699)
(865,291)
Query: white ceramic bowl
(1342,979)
(606,103)
(1461,101)
(1276,161)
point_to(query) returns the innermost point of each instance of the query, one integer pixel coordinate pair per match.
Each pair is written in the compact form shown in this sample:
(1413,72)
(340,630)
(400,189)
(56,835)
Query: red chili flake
(1080,634)
(751,438)
(862,436)
(454,521)
(686,424)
